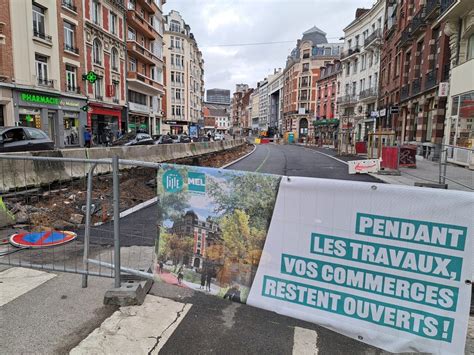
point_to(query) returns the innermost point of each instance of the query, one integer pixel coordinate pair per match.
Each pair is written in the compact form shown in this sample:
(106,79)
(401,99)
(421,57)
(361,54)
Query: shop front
(58,116)
(105,122)
(138,118)
(175,127)
(326,131)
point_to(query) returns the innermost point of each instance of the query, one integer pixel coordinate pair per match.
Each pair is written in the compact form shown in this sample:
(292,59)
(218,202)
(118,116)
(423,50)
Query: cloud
(222,22)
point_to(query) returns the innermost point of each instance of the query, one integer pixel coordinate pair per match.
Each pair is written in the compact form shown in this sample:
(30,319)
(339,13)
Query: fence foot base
(431,185)
(131,293)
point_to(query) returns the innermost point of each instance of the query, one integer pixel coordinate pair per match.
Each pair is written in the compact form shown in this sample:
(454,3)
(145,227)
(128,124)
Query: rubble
(76,218)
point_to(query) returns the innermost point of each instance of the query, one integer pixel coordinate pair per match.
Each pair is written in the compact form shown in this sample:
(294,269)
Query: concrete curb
(239,159)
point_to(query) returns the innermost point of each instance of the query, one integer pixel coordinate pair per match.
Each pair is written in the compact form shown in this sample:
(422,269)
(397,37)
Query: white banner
(363,166)
(380,263)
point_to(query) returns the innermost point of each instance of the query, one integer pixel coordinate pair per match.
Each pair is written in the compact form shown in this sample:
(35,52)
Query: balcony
(148,5)
(418,22)
(445,5)
(71,49)
(73,89)
(374,39)
(40,81)
(406,37)
(144,83)
(350,52)
(43,36)
(432,9)
(347,99)
(116,101)
(405,92)
(142,53)
(69,4)
(416,86)
(431,79)
(138,23)
(368,94)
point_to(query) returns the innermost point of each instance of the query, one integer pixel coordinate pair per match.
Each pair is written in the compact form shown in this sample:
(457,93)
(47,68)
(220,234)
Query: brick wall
(6,48)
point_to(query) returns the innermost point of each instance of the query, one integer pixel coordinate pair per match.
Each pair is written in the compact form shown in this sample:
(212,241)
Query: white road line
(305,342)
(136,329)
(17,281)
(238,159)
(329,156)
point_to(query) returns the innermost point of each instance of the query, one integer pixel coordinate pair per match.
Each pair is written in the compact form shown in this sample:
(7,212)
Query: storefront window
(465,129)
(71,128)
(30,118)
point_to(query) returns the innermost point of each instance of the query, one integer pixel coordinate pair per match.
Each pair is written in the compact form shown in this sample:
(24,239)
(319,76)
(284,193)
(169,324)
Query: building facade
(145,87)
(459,128)
(300,76)
(237,109)
(357,103)
(6,65)
(275,100)
(263,107)
(326,124)
(218,96)
(255,109)
(418,63)
(105,56)
(184,76)
(216,118)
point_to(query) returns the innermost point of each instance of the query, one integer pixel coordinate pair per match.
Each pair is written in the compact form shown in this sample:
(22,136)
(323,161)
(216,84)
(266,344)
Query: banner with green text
(388,265)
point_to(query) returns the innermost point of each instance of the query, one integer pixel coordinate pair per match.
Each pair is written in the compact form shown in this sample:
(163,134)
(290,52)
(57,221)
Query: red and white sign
(443,90)
(364,166)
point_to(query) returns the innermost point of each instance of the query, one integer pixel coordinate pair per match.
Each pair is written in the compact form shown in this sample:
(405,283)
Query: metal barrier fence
(99,201)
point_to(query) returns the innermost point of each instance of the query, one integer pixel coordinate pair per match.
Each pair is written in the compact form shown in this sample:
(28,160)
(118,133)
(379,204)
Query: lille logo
(172,181)
(197,182)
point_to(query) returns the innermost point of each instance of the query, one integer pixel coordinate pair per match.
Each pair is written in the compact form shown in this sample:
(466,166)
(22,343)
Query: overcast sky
(223,22)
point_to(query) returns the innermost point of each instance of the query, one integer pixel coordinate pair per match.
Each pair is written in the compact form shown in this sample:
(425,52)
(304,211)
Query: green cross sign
(91,77)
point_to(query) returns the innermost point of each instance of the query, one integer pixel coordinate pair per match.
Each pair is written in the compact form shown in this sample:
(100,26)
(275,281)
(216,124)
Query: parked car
(219,137)
(131,139)
(164,139)
(200,139)
(184,138)
(23,139)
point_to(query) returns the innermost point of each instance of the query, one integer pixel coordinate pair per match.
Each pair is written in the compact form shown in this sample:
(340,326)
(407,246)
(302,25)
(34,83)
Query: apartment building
(184,76)
(459,128)
(263,109)
(326,124)
(419,63)
(216,117)
(106,52)
(42,66)
(144,20)
(275,100)
(357,103)
(6,65)
(300,75)
(255,109)
(237,109)
(218,96)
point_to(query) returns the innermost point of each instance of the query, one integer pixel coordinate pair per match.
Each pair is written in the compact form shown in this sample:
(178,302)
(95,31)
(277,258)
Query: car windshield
(36,133)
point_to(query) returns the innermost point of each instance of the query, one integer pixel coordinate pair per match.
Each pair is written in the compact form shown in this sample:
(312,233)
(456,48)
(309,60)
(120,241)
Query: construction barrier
(361,147)
(390,158)
(392,275)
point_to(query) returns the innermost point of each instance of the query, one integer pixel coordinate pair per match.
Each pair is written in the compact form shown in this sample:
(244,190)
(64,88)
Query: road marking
(329,156)
(238,159)
(264,160)
(136,329)
(17,281)
(305,342)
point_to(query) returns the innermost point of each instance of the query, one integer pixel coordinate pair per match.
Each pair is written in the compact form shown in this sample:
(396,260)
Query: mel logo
(197,182)
(172,181)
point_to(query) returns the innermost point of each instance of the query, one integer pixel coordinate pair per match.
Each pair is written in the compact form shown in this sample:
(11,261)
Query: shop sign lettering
(40,99)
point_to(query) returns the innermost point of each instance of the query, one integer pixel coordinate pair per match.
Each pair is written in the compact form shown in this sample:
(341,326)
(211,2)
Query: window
(178,43)
(69,37)
(95,12)
(41,69)
(115,59)
(171,42)
(132,64)
(305,67)
(354,88)
(36,133)
(356,64)
(363,62)
(348,69)
(113,23)
(98,88)
(131,34)
(71,78)
(178,94)
(172,77)
(38,21)
(131,4)
(172,59)
(116,89)
(97,52)
(357,40)
(175,26)
(371,58)
(470,47)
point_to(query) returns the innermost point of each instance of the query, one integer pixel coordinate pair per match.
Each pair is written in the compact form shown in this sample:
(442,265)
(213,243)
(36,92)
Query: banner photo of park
(213,226)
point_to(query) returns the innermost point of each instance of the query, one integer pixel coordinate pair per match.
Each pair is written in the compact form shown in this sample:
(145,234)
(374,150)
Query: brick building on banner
(414,62)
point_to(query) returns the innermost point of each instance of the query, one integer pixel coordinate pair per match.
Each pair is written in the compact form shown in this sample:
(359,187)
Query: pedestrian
(87,137)
(161,267)
(208,281)
(203,280)
(180,275)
